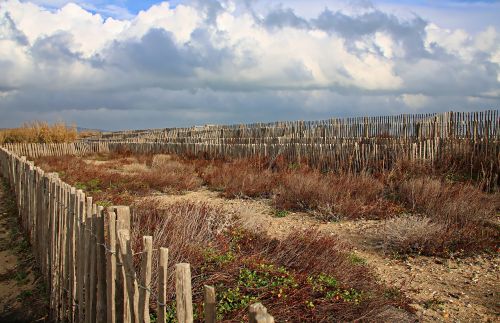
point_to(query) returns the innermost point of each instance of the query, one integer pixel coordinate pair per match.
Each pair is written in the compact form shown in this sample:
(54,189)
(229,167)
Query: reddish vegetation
(307,277)
(459,216)
(108,182)
(335,196)
(240,178)
(464,214)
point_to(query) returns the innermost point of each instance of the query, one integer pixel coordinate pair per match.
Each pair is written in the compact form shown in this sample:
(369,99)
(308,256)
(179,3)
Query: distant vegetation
(43,132)
(39,132)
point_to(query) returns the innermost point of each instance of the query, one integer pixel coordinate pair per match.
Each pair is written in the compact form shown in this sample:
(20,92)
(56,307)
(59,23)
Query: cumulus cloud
(224,61)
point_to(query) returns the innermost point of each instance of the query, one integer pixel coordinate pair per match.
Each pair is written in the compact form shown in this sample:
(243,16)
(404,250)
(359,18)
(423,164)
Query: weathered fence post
(162,284)
(184,298)
(110,222)
(122,304)
(210,305)
(145,279)
(130,277)
(101,267)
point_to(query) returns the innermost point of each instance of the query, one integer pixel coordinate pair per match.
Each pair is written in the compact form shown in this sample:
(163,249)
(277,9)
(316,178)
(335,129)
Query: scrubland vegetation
(307,276)
(39,132)
(449,214)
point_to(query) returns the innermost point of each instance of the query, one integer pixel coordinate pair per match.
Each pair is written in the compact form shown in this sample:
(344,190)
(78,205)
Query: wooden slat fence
(464,125)
(85,256)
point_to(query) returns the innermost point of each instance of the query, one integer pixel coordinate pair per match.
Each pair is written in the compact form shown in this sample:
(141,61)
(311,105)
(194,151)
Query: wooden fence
(345,155)
(483,125)
(352,144)
(85,256)
(35,150)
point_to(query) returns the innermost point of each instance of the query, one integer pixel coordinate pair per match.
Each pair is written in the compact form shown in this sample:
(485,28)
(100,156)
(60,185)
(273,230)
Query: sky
(123,64)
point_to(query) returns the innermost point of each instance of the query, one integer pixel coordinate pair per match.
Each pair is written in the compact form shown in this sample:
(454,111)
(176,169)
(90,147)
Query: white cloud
(415,101)
(82,60)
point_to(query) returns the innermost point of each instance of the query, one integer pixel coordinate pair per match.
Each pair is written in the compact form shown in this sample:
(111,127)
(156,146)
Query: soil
(22,294)
(441,290)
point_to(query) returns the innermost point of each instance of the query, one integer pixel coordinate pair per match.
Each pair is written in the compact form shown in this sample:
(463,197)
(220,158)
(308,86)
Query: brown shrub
(478,169)
(333,196)
(466,213)
(170,175)
(286,276)
(240,178)
(183,227)
(410,234)
(107,182)
(313,253)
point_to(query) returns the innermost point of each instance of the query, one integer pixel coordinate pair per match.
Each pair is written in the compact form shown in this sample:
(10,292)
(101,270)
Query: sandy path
(443,290)
(22,297)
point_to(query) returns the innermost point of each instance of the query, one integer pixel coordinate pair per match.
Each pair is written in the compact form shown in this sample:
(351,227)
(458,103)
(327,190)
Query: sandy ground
(442,290)
(22,297)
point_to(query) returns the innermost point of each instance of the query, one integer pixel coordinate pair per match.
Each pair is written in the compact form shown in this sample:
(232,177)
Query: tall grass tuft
(39,132)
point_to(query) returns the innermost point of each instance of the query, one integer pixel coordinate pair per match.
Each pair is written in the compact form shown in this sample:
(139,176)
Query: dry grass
(479,170)
(465,214)
(307,277)
(410,234)
(39,132)
(108,183)
(334,196)
(182,227)
(172,173)
(240,178)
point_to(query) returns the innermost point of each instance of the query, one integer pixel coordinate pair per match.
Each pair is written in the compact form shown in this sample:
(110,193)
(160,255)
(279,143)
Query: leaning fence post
(91,317)
(210,310)
(145,279)
(183,293)
(162,284)
(101,267)
(130,278)
(86,254)
(110,222)
(122,305)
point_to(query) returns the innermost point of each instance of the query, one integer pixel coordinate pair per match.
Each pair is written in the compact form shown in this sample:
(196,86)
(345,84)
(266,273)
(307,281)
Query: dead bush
(161,160)
(183,227)
(410,234)
(334,196)
(308,276)
(316,254)
(240,178)
(170,175)
(466,214)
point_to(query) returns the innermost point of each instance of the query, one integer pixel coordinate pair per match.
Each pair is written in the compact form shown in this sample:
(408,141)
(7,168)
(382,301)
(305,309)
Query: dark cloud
(55,49)
(157,54)
(8,29)
(154,53)
(281,17)
(409,33)
(156,108)
(212,8)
